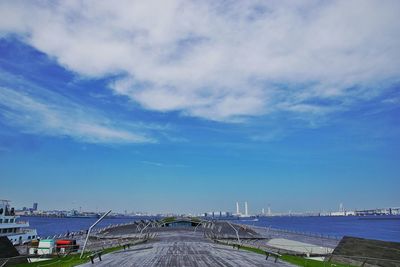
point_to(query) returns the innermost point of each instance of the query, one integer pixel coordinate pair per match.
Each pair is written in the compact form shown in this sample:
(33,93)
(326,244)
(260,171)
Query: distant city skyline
(191,106)
(240,209)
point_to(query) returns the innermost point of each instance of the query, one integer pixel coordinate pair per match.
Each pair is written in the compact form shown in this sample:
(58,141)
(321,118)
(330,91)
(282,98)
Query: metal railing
(294,232)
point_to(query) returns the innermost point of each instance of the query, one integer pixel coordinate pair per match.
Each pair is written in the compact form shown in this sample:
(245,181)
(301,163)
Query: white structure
(17,231)
(46,246)
(269,210)
(246,210)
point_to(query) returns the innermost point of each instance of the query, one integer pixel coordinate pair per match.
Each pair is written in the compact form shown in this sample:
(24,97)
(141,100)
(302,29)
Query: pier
(188,242)
(184,248)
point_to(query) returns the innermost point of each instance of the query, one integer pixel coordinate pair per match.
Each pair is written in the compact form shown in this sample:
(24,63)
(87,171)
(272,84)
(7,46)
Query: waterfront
(366,227)
(50,226)
(380,228)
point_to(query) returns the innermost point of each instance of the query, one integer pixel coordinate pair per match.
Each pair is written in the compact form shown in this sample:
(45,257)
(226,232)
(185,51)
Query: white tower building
(237,208)
(246,211)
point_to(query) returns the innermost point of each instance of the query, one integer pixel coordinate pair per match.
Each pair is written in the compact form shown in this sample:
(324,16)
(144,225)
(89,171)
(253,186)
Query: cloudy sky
(190,106)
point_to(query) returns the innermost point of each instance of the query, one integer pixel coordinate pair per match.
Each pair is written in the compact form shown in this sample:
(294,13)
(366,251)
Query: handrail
(288,231)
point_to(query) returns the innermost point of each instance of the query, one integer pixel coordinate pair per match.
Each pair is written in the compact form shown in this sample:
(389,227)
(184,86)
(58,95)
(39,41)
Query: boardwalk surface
(184,248)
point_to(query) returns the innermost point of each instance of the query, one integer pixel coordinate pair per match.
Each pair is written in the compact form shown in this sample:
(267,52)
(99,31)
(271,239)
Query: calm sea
(367,227)
(376,227)
(54,226)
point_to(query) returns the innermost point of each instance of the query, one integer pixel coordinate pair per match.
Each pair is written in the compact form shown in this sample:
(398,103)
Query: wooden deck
(184,248)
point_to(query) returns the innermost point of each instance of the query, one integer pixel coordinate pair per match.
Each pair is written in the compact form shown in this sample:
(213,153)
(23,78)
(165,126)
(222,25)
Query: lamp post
(90,229)
(141,232)
(236,231)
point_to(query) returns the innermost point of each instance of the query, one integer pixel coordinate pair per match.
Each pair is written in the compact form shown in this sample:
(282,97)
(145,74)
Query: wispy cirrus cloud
(37,110)
(159,164)
(221,60)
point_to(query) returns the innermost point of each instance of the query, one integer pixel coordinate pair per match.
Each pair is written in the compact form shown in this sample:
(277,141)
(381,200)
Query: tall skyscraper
(35,206)
(246,212)
(237,208)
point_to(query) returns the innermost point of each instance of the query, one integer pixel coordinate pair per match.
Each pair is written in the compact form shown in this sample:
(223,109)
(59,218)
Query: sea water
(377,227)
(373,227)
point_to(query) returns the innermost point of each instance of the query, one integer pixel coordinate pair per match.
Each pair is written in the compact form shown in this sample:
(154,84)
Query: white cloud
(220,60)
(159,164)
(43,112)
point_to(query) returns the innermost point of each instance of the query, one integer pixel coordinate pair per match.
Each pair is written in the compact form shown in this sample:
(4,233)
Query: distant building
(216,214)
(35,206)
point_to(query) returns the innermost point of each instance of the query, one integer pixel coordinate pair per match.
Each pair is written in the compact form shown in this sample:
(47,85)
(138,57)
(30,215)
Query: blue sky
(192,106)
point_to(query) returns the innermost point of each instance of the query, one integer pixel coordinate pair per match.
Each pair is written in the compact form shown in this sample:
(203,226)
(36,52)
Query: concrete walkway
(184,248)
(297,246)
